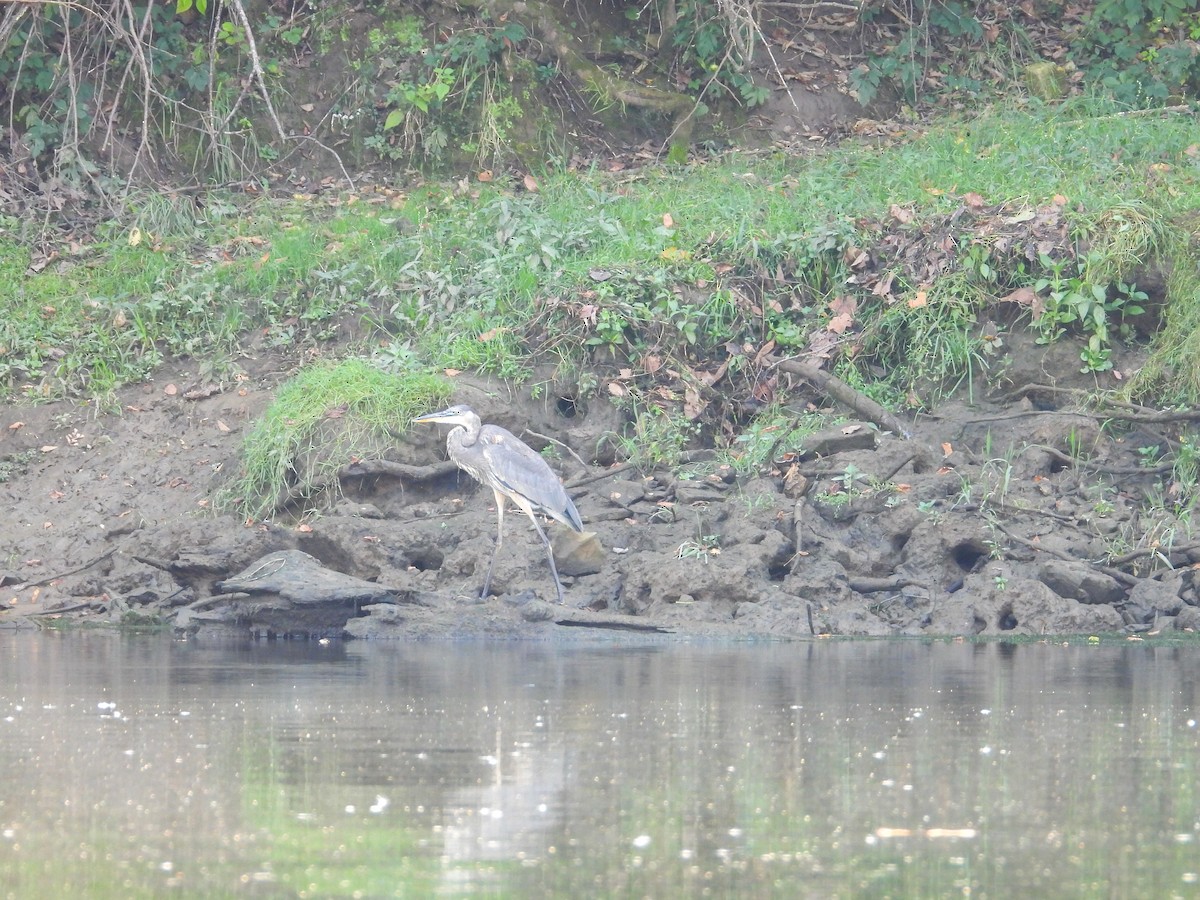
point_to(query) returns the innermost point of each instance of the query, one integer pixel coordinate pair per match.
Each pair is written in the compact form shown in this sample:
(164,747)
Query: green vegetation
(326,415)
(900,268)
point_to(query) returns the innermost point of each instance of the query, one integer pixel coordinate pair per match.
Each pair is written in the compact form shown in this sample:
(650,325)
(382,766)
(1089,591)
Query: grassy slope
(627,270)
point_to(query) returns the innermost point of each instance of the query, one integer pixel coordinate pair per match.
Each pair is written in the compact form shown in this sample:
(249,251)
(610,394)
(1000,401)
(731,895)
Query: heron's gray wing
(517,468)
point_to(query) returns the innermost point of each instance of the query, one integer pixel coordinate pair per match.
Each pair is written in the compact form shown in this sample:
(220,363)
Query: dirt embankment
(1001,517)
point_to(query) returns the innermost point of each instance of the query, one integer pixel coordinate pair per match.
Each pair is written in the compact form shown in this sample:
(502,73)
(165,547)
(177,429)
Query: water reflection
(869,769)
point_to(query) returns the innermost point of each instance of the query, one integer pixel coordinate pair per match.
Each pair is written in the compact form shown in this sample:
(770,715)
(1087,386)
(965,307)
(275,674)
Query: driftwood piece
(367,467)
(865,584)
(57,575)
(845,395)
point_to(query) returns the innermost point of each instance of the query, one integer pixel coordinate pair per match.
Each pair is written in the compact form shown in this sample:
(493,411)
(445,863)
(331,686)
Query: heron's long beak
(439,416)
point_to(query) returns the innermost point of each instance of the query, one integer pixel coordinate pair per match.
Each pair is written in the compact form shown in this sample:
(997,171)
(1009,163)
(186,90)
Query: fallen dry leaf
(485,175)
(531,184)
(947,448)
(15,425)
(617,389)
(843,303)
(920,299)
(883,287)
(840,323)
(1022,295)
(171,390)
(222,427)
(668,222)
(49,448)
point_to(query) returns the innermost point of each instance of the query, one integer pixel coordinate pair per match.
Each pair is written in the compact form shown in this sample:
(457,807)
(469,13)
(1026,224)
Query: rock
(577,553)
(538,611)
(361,510)
(301,579)
(1151,598)
(623,493)
(1188,619)
(1079,581)
(1046,80)
(996,606)
(688,492)
(286,592)
(839,439)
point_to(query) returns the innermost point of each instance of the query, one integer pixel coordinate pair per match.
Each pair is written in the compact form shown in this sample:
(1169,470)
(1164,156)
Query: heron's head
(455,415)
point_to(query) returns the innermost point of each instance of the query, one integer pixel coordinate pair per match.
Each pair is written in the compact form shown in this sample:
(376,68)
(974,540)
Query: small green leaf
(394,118)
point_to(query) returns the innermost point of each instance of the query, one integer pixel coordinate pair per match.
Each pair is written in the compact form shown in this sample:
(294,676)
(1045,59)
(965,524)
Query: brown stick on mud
(1124,577)
(403,471)
(798,535)
(864,584)
(845,395)
(50,578)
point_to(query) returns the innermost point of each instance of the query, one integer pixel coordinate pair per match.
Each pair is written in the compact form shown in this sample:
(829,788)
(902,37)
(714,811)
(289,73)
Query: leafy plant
(656,437)
(1089,306)
(1143,53)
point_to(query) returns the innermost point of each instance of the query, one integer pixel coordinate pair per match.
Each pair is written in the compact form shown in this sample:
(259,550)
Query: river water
(146,767)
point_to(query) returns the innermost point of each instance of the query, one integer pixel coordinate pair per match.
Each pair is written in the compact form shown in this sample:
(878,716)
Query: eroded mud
(1001,516)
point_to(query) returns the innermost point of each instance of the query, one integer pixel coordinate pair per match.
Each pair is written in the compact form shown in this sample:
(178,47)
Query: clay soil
(994,517)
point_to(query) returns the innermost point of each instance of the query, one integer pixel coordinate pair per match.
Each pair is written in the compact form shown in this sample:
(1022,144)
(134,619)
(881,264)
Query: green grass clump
(327,414)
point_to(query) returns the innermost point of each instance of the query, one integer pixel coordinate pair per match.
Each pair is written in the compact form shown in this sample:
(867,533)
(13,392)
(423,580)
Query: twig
(366,467)
(844,394)
(1099,467)
(888,476)
(1133,113)
(74,607)
(873,585)
(545,437)
(49,578)
(598,476)
(1124,577)
(256,68)
(1012,507)
(1152,551)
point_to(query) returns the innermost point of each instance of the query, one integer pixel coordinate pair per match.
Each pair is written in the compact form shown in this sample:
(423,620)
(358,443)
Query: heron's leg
(487,579)
(549,554)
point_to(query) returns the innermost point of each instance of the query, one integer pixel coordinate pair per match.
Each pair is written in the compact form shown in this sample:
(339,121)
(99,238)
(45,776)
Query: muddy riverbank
(998,516)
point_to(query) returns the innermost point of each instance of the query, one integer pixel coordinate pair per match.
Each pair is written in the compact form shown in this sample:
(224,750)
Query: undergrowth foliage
(99,95)
(673,291)
(321,419)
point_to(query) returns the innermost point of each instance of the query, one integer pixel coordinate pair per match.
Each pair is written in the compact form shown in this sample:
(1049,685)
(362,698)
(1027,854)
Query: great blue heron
(498,458)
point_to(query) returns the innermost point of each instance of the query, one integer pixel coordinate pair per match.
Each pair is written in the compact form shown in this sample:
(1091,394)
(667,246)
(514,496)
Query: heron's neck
(466,436)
